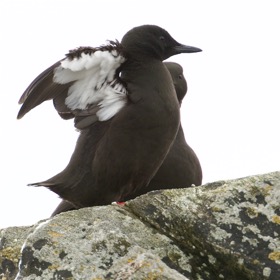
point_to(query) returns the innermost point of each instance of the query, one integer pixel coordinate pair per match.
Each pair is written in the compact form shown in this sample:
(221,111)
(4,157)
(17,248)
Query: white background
(230,115)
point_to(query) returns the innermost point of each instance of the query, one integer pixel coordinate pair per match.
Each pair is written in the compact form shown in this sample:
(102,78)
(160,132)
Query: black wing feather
(41,89)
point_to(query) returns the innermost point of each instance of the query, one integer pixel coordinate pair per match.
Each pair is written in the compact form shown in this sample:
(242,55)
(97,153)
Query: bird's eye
(162,38)
(180,77)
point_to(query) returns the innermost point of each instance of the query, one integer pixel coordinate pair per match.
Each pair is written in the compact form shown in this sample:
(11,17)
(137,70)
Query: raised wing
(84,85)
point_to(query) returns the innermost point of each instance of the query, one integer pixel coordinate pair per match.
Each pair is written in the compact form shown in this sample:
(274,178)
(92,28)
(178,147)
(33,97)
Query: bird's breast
(152,99)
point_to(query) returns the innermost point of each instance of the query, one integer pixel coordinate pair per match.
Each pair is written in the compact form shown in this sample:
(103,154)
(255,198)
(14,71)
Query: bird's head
(179,81)
(154,41)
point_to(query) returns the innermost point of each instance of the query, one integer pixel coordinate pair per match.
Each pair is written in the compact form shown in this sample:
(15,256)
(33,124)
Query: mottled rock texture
(222,230)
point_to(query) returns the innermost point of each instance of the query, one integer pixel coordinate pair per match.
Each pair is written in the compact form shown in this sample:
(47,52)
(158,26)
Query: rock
(92,242)
(222,230)
(231,228)
(11,241)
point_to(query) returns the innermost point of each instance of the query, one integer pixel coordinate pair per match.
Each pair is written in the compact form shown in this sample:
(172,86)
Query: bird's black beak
(186,49)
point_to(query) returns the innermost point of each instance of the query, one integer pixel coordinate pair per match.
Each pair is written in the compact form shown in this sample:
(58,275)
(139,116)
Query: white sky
(230,115)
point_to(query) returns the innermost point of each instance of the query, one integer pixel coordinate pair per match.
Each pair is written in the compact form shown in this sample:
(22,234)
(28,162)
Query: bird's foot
(119,203)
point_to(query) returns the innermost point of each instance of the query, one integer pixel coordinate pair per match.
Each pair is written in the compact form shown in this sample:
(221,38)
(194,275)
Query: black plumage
(117,153)
(180,168)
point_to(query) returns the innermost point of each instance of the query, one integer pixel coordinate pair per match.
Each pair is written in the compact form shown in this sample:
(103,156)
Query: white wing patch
(94,82)
(111,103)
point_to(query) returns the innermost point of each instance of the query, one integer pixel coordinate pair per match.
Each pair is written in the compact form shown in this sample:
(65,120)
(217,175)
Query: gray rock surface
(222,230)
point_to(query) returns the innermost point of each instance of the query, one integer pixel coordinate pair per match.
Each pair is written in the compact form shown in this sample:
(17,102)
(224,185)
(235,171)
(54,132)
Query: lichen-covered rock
(224,230)
(99,243)
(11,241)
(232,227)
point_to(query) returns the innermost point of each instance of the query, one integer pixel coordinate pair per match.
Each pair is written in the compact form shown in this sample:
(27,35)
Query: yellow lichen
(54,267)
(55,234)
(11,253)
(276,219)
(154,275)
(256,262)
(274,256)
(267,190)
(216,209)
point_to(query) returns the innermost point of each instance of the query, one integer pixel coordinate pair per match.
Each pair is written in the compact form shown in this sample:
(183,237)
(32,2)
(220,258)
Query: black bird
(181,167)
(124,102)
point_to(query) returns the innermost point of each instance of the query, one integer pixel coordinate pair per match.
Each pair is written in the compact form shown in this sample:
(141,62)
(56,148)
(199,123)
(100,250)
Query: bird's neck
(144,70)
